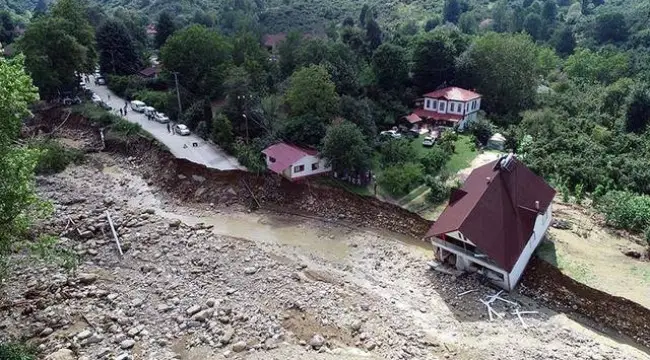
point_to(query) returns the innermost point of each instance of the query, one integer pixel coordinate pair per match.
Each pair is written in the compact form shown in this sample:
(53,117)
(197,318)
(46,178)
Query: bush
(439,191)
(626,210)
(401,179)
(647,235)
(250,157)
(124,127)
(125,86)
(222,132)
(434,160)
(54,157)
(395,152)
(17,352)
(482,130)
(95,114)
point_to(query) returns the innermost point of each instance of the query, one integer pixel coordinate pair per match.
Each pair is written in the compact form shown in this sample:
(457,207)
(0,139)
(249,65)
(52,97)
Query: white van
(149,111)
(138,106)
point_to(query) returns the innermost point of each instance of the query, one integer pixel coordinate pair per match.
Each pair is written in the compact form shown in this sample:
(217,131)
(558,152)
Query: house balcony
(476,255)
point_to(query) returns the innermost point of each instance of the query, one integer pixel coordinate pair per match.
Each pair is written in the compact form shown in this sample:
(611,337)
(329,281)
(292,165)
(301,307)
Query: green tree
(117,54)
(53,56)
(517,19)
(432,23)
(373,35)
(200,56)
(345,147)
(363,15)
(502,68)
(482,130)
(549,11)
(40,8)
(7,26)
(306,129)
(434,56)
(434,160)
(604,66)
(500,20)
(288,52)
(533,26)
(467,23)
(400,179)
(78,26)
(564,41)
(359,112)
(311,91)
(438,189)
(394,152)
(637,114)
(451,11)
(17,193)
(390,65)
(222,132)
(610,27)
(165,28)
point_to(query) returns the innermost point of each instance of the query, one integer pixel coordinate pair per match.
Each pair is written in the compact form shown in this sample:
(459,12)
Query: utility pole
(178,95)
(246,117)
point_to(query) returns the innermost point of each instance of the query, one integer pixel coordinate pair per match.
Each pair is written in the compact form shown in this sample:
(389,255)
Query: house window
(442,106)
(452,107)
(271,159)
(297,169)
(434,104)
(314,166)
(427,103)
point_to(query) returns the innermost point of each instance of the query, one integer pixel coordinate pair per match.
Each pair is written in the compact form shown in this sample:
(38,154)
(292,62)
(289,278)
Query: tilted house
(294,162)
(494,222)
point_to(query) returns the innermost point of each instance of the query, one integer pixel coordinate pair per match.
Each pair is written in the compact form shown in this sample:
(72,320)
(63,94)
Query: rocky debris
(250,270)
(63,354)
(193,310)
(561,224)
(46,332)
(87,279)
(239,346)
(317,341)
(633,253)
(84,334)
(127,344)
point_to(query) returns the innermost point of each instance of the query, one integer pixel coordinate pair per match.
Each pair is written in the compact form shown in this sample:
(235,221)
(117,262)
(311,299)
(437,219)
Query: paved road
(206,153)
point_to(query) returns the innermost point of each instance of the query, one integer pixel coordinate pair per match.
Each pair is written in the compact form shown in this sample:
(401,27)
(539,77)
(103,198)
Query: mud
(189,182)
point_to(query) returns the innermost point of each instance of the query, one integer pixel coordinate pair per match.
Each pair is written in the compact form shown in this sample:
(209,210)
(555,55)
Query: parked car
(96,99)
(161,118)
(181,129)
(428,141)
(392,133)
(149,111)
(137,105)
(100,81)
(82,84)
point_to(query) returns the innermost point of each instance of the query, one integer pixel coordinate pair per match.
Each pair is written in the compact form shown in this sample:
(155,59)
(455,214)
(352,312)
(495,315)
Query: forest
(567,83)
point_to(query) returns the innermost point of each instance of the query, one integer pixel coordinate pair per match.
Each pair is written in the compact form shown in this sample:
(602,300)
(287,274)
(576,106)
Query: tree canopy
(345,148)
(312,92)
(117,53)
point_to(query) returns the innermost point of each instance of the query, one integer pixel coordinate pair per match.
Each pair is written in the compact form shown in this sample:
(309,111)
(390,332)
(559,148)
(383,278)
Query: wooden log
(117,241)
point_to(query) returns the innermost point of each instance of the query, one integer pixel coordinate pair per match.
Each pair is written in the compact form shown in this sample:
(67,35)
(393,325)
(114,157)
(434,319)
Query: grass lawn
(359,190)
(464,154)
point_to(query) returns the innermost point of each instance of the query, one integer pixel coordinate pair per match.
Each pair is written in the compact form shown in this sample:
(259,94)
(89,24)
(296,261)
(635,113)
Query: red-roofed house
(294,162)
(271,41)
(450,106)
(151,30)
(494,222)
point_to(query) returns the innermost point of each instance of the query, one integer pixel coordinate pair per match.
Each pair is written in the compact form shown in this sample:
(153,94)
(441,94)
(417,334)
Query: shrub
(395,152)
(125,86)
(434,160)
(250,157)
(17,352)
(222,132)
(124,127)
(647,235)
(400,179)
(626,210)
(54,157)
(439,191)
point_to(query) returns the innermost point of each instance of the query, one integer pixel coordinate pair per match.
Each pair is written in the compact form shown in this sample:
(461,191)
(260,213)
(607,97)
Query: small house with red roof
(451,106)
(494,222)
(151,30)
(294,162)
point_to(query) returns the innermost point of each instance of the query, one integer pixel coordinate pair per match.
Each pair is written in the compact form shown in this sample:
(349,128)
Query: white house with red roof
(294,162)
(451,106)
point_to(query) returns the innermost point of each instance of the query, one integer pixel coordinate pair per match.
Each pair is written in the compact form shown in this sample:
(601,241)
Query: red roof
(273,39)
(436,115)
(285,155)
(453,93)
(150,71)
(413,118)
(496,210)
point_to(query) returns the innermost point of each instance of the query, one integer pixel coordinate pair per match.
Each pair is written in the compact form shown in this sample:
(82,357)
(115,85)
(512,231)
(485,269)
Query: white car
(392,133)
(100,81)
(161,118)
(181,129)
(149,111)
(96,99)
(428,141)
(138,106)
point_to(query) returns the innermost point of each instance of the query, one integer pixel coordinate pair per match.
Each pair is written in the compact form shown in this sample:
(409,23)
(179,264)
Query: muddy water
(313,237)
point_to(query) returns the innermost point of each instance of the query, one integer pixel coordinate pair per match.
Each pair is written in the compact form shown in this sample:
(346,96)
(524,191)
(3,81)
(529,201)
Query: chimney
(488,179)
(537,205)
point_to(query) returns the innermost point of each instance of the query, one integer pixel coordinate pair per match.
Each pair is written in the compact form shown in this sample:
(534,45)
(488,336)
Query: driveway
(204,153)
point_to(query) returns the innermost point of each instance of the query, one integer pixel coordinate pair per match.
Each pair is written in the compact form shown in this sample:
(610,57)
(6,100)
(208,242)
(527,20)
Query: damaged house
(494,222)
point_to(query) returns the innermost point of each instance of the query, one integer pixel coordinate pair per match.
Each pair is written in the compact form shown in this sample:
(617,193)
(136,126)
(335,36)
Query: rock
(363,336)
(164,307)
(635,254)
(112,296)
(87,278)
(84,334)
(135,330)
(63,354)
(317,341)
(137,302)
(211,302)
(356,325)
(370,345)
(561,224)
(250,270)
(203,315)
(46,332)
(127,344)
(94,339)
(123,356)
(174,223)
(239,346)
(193,310)
(227,335)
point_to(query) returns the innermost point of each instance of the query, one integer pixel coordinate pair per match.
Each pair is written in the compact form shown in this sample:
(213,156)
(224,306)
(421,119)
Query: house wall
(307,162)
(541,225)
